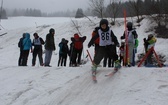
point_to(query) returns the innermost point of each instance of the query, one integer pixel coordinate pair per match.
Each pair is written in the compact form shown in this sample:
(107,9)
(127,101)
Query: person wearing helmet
(132,36)
(49,47)
(106,39)
(149,43)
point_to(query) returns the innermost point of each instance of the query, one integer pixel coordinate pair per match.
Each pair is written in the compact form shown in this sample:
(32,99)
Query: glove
(118,45)
(89,45)
(122,37)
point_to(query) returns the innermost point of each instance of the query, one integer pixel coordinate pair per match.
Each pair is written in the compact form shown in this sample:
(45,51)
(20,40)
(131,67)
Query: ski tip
(109,75)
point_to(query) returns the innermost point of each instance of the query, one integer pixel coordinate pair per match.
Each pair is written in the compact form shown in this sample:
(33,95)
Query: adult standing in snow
(49,47)
(20,45)
(37,43)
(132,36)
(106,36)
(77,48)
(27,46)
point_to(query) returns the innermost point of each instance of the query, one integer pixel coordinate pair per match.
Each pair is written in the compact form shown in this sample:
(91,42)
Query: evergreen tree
(79,13)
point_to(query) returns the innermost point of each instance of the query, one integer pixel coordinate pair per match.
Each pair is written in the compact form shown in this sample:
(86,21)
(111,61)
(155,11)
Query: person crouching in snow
(106,36)
(149,43)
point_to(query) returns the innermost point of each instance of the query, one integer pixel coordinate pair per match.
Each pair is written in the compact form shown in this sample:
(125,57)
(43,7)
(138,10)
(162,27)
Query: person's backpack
(20,43)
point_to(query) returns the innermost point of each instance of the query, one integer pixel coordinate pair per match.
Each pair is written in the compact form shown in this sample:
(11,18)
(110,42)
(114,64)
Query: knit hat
(51,30)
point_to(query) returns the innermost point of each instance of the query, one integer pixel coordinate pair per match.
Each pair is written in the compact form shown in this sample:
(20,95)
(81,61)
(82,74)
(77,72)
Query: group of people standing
(74,52)
(105,43)
(103,39)
(26,45)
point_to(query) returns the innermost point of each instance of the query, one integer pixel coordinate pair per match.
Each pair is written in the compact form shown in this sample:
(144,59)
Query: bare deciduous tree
(136,5)
(113,10)
(98,7)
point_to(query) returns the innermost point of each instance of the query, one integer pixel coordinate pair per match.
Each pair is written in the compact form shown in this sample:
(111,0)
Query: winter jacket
(113,39)
(37,43)
(94,33)
(78,42)
(151,42)
(49,43)
(132,35)
(64,50)
(27,44)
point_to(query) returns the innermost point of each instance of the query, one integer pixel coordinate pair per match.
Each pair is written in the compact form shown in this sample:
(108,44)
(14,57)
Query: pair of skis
(107,75)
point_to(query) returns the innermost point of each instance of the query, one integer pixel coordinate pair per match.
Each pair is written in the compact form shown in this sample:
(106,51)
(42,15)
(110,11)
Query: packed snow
(73,85)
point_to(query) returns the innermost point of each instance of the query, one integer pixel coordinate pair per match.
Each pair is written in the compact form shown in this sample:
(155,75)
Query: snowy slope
(73,85)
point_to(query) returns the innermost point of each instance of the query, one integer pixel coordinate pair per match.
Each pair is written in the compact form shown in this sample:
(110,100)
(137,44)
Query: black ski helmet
(104,21)
(129,24)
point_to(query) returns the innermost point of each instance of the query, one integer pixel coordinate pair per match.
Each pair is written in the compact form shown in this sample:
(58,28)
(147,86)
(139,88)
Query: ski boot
(117,65)
(94,68)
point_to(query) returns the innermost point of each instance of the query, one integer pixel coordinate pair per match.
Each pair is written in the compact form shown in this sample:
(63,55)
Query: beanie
(51,30)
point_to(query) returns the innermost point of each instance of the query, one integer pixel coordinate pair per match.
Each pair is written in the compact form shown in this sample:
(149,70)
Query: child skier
(106,37)
(131,35)
(122,50)
(149,43)
(63,52)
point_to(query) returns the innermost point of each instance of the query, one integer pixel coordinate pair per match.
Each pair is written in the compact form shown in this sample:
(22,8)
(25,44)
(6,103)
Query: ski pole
(90,56)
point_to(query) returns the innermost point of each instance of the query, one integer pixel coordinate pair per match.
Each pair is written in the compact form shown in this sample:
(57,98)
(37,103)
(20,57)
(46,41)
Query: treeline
(38,13)
(113,9)
(133,7)
(3,14)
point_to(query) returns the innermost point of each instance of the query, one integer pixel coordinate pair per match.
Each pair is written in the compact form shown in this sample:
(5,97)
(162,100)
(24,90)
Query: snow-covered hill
(73,85)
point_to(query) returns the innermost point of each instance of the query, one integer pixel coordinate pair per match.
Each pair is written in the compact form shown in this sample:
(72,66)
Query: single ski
(111,74)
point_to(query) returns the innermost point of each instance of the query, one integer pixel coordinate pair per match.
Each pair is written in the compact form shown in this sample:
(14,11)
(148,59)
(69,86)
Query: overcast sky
(47,5)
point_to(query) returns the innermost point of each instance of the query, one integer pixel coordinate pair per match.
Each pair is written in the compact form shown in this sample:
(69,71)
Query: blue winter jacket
(27,44)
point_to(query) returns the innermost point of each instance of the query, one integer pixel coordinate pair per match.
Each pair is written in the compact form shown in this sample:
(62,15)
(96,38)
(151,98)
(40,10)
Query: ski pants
(62,59)
(48,55)
(101,51)
(20,61)
(130,52)
(37,51)
(25,57)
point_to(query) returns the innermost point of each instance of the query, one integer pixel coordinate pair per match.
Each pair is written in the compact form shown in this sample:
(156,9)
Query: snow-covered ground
(73,85)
